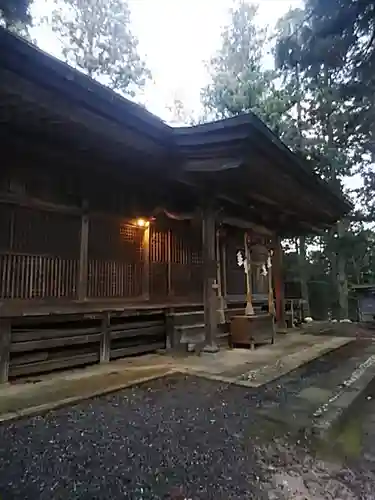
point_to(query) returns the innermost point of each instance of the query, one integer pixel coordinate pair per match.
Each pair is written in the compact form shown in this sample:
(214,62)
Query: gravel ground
(173,438)
(176,438)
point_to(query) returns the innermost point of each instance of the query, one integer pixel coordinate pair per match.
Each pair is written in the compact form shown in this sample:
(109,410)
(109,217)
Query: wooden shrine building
(111,221)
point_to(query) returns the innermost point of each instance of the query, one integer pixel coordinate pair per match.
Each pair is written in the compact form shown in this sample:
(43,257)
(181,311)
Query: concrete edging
(53,405)
(334,413)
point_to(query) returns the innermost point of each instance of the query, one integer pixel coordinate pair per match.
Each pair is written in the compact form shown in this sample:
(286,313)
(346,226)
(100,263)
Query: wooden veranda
(107,213)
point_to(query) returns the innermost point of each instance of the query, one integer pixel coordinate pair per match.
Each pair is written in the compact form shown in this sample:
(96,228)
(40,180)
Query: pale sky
(176,37)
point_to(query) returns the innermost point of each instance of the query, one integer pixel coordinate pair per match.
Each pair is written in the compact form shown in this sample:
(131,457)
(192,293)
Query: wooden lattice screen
(115,258)
(40,257)
(39,253)
(186,261)
(176,261)
(160,277)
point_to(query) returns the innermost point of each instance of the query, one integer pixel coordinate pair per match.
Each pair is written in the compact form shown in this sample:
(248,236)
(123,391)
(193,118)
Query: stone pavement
(241,367)
(318,395)
(261,366)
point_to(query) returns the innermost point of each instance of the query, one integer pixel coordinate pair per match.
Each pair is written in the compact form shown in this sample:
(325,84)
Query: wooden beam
(30,202)
(254,207)
(269,215)
(5,342)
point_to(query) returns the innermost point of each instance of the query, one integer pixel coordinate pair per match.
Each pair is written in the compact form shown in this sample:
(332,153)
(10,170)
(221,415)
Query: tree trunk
(340,275)
(342,280)
(333,279)
(302,239)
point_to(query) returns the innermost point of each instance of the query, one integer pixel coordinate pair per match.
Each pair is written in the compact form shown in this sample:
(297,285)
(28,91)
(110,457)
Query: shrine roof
(249,170)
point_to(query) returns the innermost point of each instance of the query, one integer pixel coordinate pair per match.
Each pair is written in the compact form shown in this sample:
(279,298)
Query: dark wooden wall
(233,240)
(235,276)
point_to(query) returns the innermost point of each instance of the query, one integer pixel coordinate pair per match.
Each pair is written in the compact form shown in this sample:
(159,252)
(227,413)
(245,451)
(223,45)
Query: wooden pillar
(219,269)
(209,284)
(224,270)
(83,256)
(105,339)
(279,283)
(271,299)
(146,263)
(249,311)
(169,263)
(5,341)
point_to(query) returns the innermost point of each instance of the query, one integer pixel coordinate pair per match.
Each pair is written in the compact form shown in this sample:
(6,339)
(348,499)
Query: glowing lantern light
(142,223)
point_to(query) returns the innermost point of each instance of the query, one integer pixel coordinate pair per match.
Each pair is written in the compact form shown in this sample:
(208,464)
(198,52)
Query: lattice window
(40,232)
(186,257)
(39,253)
(115,258)
(158,246)
(112,238)
(159,267)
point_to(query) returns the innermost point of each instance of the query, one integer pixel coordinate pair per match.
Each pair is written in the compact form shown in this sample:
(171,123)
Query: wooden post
(5,341)
(105,339)
(221,299)
(224,270)
(169,263)
(271,302)
(83,256)
(210,285)
(279,283)
(249,311)
(146,263)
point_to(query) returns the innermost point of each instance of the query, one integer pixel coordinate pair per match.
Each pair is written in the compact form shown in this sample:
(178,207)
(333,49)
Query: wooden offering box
(251,330)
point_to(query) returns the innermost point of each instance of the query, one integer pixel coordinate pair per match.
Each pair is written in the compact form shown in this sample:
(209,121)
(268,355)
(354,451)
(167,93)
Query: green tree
(239,83)
(320,133)
(352,22)
(180,113)
(15,17)
(331,142)
(288,53)
(349,25)
(14,12)
(96,37)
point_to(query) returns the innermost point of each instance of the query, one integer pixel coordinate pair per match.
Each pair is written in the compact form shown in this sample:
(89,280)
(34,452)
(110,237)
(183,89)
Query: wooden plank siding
(38,345)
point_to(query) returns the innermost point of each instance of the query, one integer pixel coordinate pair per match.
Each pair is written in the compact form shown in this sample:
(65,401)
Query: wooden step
(186,318)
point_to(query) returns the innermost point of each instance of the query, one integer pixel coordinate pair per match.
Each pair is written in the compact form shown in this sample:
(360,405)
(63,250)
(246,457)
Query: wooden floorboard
(21,309)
